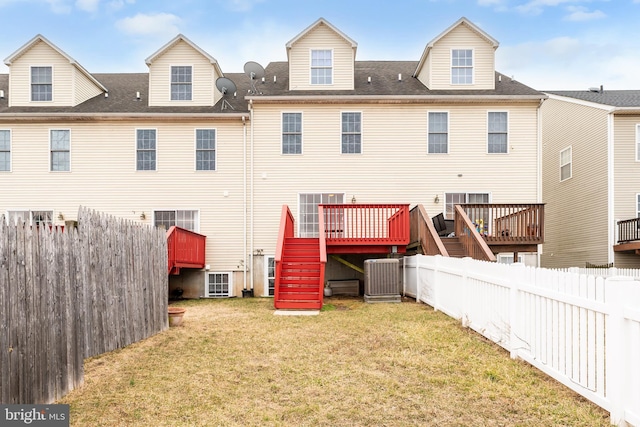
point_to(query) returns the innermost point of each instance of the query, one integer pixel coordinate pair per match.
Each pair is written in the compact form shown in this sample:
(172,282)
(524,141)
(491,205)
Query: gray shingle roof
(614,98)
(384,82)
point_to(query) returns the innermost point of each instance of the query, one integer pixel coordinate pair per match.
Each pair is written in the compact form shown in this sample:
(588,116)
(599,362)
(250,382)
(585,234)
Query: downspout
(539,168)
(244,200)
(251,192)
(611,221)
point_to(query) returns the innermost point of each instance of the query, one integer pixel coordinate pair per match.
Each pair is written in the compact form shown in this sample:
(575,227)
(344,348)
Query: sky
(545,44)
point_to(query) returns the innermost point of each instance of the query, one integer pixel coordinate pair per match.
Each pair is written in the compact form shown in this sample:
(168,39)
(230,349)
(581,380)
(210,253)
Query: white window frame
(318,67)
(230,292)
(569,163)
(637,205)
(472,67)
(448,131)
(506,132)
(267,277)
(51,150)
(31,83)
(8,151)
(282,133)
(30,213)
(335,195)
(215,149)
(137,150)
(175,211)
(343,133)
(638,142)
(171,83)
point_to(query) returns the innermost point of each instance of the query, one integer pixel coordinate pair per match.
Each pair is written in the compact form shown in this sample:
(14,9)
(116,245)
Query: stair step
(298,305)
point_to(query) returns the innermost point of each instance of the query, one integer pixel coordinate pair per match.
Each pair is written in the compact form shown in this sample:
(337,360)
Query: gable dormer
(321,58)
(41,74)
(461,57)
(182,74)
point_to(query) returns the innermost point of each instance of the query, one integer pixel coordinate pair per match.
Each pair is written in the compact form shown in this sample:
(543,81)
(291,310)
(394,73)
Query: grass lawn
(233,363)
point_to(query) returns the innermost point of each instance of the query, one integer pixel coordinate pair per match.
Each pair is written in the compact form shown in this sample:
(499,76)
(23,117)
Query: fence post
(517,272)
(617,292)
(436,282)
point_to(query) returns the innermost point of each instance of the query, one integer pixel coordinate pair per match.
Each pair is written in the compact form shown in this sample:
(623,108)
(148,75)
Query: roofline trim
(605,107)
(315,24)
(389,98)
(119,116)
(181,37)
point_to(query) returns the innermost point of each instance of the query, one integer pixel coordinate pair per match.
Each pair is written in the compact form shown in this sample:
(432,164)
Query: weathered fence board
(66,295)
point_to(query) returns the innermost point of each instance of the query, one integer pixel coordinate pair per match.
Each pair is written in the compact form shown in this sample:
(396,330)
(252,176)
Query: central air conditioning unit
(382,280)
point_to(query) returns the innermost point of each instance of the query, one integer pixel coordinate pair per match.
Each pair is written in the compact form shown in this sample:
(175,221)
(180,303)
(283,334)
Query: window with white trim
(351,133)
(205,149)
(218,285)
(497,125)
(638,142)
(291,133)
(461,66)
(637,205)
(30,217)
(453,199)
(308,222)
(438,133)
(269,275)
(41,84)
(181,83)
(565,164)
(321,67)
(60,146)
(146,149)
(188,219)
(5,150)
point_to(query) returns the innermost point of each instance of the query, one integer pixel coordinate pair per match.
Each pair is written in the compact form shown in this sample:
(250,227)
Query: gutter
(389,99)
(26,116)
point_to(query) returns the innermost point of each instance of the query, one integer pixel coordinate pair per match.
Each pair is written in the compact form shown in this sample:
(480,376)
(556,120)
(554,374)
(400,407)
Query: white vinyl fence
(582,330)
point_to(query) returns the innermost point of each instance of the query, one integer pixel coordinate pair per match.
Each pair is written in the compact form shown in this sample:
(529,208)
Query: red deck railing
(186,249)
(360,225)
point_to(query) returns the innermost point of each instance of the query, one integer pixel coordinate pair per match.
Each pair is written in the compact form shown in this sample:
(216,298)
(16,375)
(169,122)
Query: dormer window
(41,84)
(181,83)
(461,66)
(321,67)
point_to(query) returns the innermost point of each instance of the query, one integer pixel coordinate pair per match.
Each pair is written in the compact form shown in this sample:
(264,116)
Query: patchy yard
(233,363)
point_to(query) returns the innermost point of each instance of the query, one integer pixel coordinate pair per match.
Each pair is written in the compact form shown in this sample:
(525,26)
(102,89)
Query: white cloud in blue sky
(155,24)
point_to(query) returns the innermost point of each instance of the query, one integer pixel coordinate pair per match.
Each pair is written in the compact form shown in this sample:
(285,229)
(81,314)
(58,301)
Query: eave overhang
(394,99)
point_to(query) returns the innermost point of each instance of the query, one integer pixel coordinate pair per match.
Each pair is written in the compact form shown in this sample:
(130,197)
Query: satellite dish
(255,72)
(226,86)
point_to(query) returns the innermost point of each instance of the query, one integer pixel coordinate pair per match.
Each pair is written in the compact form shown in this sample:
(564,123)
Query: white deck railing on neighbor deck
(582,330)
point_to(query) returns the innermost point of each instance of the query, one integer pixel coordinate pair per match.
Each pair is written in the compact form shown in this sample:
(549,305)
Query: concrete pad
(296,312)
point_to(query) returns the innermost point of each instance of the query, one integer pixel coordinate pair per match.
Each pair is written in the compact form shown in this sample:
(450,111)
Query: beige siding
(103,176)
(84,88)
(576,216)
(394,166)
(321,37)
(204,77)
(436,74)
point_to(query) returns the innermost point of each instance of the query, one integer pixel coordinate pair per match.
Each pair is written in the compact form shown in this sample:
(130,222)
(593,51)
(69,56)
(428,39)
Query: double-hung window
(41,84)
(187,219)
(146,149)
(60,150)
(321,67)
(438,133)
(638,142)
(291,133)
(181,83)
(218,285)
(497,124)
(565,164)
(5,150)
(351,133)
(461,66)
(309,220)
(205,149)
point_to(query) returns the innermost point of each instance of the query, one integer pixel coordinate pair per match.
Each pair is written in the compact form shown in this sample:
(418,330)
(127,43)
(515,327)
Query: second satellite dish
(255,72)
(226,86)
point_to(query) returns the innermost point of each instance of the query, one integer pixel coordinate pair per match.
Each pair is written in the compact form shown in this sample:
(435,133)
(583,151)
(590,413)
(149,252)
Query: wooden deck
(628,236)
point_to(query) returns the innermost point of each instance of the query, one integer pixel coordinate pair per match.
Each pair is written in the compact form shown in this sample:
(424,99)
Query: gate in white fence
(582,330)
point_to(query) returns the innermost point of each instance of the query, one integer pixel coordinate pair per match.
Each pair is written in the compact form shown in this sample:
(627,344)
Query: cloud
(60,7)
(159,24)
(118,4)
(536,7)
(579,13)
(87,5)
(240,5)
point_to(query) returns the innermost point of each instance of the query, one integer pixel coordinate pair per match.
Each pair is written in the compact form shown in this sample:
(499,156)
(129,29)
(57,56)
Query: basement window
(218,285)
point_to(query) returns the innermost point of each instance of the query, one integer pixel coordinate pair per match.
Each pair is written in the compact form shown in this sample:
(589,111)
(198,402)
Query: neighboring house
(167,148)
(591,178)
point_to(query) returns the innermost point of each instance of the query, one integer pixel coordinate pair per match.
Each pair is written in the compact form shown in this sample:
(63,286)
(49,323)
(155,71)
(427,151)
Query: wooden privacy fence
(582,330)
(67,294)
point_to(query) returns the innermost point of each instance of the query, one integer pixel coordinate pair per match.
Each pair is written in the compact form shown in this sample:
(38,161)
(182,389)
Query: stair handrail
(473,243)
(171,248)
(286,229)
(427,236)
(323,251)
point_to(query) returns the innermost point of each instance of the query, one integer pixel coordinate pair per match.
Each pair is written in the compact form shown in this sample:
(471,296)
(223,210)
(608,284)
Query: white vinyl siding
(565,164)
(60,146)
(181,83)
(351,133)
(187,219)
(205,149)
(461,66)
(146,149)
(5,150)
(498,131)
(218,285)
(321,66)
(41,84)
(438,139)
(291,133)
